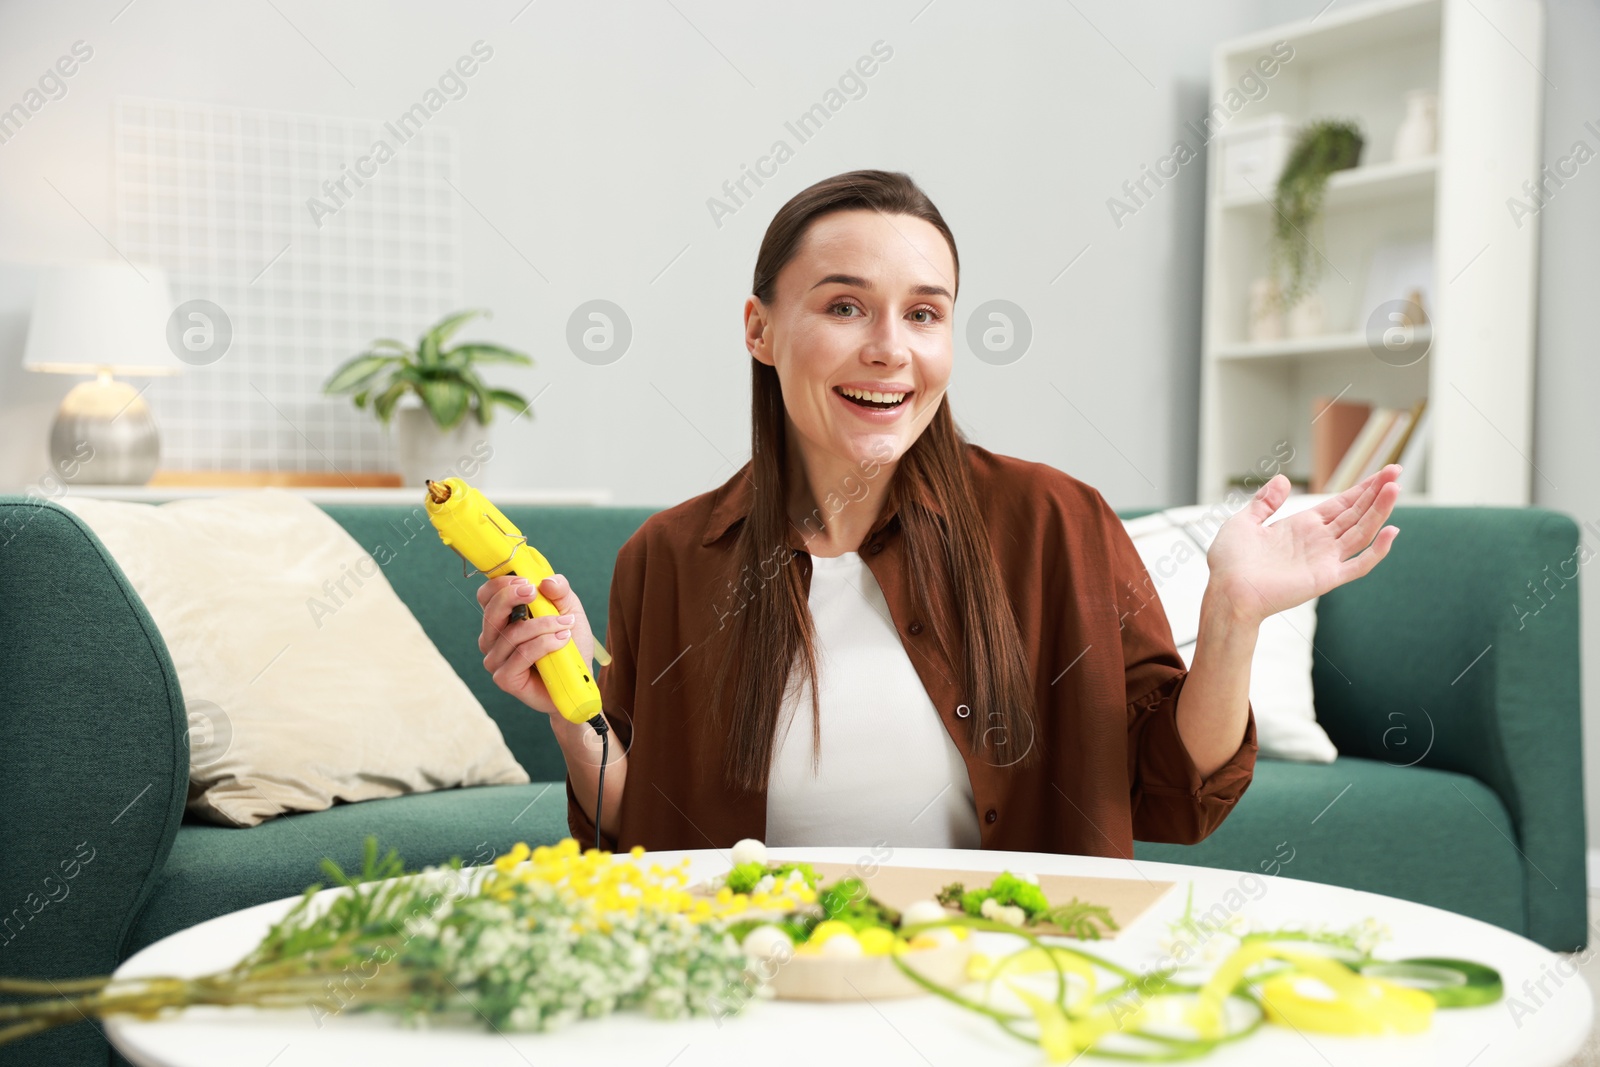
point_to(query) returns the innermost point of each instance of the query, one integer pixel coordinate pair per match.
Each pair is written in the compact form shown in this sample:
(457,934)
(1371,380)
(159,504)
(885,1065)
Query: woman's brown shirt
(1105,670)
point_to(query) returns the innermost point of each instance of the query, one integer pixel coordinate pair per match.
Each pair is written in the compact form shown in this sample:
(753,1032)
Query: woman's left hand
(1259,570)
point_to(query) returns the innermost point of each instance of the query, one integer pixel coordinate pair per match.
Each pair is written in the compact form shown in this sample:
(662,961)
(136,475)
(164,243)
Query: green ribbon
(1452,983)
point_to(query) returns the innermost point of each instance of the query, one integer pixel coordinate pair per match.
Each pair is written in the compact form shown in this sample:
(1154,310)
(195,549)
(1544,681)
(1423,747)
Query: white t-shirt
(889,771)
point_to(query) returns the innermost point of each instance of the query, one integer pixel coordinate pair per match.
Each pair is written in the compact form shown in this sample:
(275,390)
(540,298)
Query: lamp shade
(101,315)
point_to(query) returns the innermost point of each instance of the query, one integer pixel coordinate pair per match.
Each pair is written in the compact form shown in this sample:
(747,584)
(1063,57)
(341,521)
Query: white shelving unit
(1482,57)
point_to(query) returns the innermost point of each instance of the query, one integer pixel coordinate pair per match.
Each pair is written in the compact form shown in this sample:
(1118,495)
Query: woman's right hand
(511,648)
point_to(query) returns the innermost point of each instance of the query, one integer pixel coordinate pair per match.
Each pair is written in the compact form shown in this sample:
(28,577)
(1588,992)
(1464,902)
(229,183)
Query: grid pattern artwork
(219,198)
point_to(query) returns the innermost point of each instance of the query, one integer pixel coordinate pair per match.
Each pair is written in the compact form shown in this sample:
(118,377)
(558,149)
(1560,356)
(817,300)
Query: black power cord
(602,728)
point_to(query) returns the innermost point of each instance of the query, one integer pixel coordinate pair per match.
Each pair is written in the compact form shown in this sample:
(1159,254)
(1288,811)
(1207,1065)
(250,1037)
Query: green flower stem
(148,997)
(1115,968)
(1006,1020)
(21,1030)
(29,987)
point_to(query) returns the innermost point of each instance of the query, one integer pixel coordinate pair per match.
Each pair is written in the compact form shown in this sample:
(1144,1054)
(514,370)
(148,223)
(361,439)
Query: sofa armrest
(1461,652)
(93,739)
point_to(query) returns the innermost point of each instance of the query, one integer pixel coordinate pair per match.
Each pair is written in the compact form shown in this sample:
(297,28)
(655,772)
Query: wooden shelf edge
(378,495)
(281,479)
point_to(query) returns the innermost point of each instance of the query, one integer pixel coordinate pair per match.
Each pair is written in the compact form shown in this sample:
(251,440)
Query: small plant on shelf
(1322,147)
(445,378)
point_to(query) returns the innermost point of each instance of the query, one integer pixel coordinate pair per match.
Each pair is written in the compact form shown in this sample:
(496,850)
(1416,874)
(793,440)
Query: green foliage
(1074,918)
(1321,148)
(1006,889)
(1079,919)
(796,924)
(743,878)
(848,901)
(376,912)
(444,378)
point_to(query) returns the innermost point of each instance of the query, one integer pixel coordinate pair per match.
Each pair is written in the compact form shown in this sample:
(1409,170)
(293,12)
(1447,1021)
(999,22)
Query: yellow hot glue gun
(492,544)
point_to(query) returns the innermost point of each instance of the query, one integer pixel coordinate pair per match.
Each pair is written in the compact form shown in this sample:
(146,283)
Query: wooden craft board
(1126,898)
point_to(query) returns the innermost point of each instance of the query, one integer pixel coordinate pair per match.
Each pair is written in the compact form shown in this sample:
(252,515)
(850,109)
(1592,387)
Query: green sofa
(1459,782)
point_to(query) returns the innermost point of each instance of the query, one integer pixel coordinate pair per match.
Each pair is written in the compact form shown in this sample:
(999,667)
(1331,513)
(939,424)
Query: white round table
(917,1031)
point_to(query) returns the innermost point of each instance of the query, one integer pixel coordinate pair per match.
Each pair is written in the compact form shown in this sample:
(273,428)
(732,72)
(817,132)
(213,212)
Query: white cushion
(307,680)
(1173,545)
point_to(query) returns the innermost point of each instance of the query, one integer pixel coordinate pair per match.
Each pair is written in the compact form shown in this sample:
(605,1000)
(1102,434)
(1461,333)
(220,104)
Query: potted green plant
(429,391)
(1321,148)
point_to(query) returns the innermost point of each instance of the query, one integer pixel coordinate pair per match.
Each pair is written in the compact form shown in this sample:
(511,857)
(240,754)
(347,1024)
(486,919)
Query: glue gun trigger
(601,656)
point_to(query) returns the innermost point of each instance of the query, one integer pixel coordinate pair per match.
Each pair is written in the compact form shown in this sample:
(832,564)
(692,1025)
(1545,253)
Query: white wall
(594,137)
(591,142)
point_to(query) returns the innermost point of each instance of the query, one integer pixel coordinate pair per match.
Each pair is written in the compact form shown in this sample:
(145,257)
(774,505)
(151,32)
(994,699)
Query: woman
(977,657)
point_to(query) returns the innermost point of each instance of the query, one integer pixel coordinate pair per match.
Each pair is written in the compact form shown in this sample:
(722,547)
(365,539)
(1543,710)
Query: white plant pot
(1307,318)
(1266,318)
(425,451)
(1418,135)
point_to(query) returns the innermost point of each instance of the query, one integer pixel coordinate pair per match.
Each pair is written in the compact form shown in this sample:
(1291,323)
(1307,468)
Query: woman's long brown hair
(773,630)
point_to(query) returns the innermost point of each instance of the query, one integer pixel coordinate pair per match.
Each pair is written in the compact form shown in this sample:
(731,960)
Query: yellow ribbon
(1359,1005)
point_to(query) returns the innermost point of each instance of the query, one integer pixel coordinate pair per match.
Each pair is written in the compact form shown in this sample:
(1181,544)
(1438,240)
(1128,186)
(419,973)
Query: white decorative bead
(922,911)
(841,945)
(767,942)
(749,850)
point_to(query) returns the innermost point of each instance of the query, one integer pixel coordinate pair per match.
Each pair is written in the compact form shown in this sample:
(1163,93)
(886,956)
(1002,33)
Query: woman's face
(864,307)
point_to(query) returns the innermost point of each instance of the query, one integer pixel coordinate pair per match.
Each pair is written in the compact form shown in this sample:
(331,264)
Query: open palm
(1261,569)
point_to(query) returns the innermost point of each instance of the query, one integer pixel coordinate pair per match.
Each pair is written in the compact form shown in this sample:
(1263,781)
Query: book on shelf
(1250,483)
(1389,435)
(1414,456)
(1335,425)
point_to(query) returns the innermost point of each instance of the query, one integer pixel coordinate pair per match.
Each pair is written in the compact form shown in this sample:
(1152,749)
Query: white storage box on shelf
(1253,153)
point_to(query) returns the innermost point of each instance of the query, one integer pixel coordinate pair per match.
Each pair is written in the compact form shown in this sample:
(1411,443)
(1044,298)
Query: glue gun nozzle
(438,492)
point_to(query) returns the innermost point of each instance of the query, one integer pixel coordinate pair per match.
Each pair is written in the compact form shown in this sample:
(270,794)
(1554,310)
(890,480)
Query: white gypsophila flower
(1369,933)
(544,958)
(1204,941)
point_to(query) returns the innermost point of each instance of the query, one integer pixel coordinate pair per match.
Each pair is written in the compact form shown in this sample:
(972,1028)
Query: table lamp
(102,318)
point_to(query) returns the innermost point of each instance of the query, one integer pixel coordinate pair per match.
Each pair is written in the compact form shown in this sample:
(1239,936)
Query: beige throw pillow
(299,694)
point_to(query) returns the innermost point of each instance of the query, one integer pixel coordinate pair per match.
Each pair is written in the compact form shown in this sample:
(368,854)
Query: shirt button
(962,711)
(915,628)
(991,815)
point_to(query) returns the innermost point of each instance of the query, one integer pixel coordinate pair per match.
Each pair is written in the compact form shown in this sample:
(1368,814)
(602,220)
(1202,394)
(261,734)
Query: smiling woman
(969,634)
(850,328)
